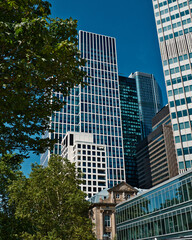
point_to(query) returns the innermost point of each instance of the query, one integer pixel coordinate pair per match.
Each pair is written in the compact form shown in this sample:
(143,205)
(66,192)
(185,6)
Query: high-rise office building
(156,158)
(95,108)
(149,100)
(130,126)
(174,28)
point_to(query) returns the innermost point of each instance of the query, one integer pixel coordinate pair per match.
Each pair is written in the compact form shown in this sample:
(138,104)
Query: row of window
(174,25)
(98,57)
(165,11)
(91,128)
(175,60)
(92,153)
(91,170)
(107,120)
(99,82)
(105,91)
(107,87)
(100,148)
(98,100)
(184,138)
(101,66)
(176,34)
(99,109)
(181,5)
(91,189)
(177,91)
(182,113)
(89,164)
(154,155)
(161,173)
(187,150)
(178,80)
(164,3)
(100,74)
(175,16)
(90,175)
(156,164)
(181,125)
(176,70)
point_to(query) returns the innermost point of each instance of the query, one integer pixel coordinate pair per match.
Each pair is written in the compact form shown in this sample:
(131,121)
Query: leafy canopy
(9,172)
(38,55)
(51,201)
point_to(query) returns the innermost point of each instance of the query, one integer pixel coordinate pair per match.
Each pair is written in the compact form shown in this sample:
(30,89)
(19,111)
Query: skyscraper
(174,28)
(95,108)
(130,126)
(156,158)
(149,100)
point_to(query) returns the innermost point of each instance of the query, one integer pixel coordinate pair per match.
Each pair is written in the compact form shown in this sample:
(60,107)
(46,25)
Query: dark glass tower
(130,126)
(149,99)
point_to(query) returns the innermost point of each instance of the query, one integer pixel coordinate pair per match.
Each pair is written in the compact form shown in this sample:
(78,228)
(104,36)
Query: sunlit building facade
(174,28)
(95,108)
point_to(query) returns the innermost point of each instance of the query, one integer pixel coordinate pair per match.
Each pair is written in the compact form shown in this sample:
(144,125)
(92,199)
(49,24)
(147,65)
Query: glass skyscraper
(149,100)
(130,125)
(174,28)
(95,108)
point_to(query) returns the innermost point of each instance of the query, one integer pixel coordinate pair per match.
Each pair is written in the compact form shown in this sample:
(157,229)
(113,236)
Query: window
(175,127)
(107,221)
(177,139)
(117,196)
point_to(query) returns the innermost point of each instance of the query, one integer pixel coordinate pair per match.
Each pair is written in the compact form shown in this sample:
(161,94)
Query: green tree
(38,56)
(9,172)
(51,201)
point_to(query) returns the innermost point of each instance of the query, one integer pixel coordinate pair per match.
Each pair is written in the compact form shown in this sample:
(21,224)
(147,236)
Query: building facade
(130,126)
(163,212)
(156,157)
(89,158)
(95,108)
(102,210)
(149,100)
(174,28)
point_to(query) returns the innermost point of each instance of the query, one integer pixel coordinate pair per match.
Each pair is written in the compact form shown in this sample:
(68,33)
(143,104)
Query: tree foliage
(51,202)
(38,55)
(9,172)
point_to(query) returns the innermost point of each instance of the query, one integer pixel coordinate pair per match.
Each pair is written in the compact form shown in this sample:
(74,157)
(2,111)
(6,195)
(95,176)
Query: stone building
(102,210)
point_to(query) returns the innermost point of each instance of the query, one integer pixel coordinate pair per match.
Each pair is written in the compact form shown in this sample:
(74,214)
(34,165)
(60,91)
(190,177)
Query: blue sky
(131,22)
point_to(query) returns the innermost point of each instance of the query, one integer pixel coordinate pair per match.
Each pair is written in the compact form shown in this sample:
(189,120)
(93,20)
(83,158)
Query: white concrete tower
(174,28)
